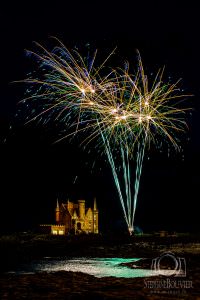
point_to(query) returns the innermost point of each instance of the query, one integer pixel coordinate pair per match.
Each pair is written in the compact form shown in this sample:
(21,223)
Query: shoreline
(77,285)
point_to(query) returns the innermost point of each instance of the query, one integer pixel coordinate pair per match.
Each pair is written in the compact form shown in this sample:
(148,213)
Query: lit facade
(75,218)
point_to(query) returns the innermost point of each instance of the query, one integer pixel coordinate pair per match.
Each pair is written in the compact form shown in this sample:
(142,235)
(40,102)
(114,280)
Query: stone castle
(74,218)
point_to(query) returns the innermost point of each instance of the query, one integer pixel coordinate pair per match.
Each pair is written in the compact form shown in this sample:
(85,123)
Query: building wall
(58,230)
(96,222)
(75,218)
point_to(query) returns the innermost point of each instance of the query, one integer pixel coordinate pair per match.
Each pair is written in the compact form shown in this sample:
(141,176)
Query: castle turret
(95,204)
(57,212)
(95,216)
(81,208)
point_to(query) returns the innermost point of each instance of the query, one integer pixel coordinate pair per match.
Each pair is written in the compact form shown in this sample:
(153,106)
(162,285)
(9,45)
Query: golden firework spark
(124,111)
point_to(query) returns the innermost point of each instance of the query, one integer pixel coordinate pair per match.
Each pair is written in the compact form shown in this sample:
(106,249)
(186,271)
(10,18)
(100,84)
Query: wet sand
(71,285)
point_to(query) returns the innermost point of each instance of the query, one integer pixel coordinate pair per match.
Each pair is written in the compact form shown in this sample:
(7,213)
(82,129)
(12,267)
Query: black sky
(34,171)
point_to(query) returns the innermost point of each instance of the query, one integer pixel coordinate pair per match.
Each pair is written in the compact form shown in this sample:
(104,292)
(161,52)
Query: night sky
(35,171)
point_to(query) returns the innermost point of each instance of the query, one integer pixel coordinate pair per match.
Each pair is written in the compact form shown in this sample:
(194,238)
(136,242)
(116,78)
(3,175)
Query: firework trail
(124,111)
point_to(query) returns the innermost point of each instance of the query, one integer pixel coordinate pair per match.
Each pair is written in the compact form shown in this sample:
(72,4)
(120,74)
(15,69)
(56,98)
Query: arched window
(79,226)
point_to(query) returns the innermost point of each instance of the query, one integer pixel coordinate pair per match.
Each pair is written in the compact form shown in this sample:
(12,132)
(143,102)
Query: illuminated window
(55,232)
(61,232)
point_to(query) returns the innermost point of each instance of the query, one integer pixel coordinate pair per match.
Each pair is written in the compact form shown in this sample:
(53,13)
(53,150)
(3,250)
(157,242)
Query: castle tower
(95,216)
(81,209)
(70,206)
(57,213)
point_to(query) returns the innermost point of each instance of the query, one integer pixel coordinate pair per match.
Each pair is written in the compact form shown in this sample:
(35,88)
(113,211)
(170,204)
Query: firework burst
(121,110)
